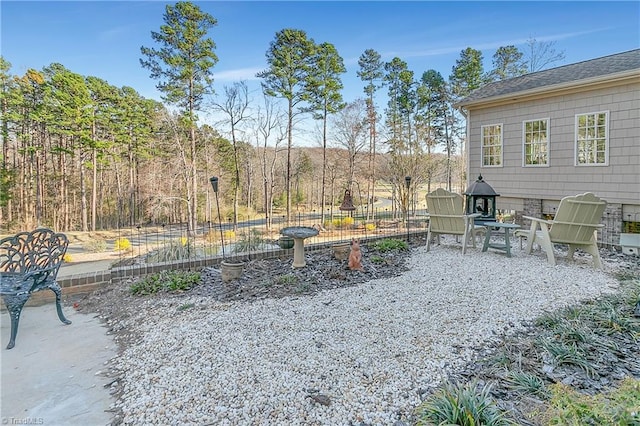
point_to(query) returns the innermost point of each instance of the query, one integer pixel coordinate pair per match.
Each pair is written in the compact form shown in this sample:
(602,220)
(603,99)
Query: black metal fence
(171,242)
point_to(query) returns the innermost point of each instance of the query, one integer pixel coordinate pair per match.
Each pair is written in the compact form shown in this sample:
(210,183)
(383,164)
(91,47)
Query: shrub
(165,281)
(390,244)
(249,241)
(287,279)
(618,407)
(122,244)
(527,382)
(178,249)
(67,258)
(229,234)
(461,405)
(347,221)
(369,227)
(95,246)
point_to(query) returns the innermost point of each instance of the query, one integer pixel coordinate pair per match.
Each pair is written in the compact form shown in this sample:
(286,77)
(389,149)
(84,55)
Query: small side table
(505,227)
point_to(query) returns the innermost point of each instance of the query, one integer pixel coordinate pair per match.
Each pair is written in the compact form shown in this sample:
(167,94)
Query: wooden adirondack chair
(447,216)
(576,224)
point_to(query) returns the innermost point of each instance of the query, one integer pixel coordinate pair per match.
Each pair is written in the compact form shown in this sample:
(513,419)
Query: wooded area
(80,154)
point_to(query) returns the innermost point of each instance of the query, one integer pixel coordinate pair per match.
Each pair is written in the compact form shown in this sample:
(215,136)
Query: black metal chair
(29,262)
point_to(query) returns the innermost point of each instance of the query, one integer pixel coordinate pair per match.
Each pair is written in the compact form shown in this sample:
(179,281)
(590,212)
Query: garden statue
(355,256)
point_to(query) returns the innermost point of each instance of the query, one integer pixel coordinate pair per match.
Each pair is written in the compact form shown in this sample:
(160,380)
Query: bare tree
(234,106)
(542,54)
(269,127)
(350,131)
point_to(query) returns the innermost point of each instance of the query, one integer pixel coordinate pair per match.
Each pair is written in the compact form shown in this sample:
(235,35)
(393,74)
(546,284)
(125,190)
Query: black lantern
(214,183)
(481,198)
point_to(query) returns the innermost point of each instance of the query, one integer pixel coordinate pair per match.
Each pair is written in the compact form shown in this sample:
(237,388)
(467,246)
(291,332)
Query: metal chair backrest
(30,251)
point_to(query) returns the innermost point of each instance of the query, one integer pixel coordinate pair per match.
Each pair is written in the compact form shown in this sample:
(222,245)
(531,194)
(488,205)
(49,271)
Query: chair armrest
(536,219)
(470,217)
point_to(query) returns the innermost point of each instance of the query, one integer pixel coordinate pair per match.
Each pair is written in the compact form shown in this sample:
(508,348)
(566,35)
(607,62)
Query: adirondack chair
(447,216)
(575,224)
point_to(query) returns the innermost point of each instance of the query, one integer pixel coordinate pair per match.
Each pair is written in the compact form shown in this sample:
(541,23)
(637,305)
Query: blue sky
(103,39)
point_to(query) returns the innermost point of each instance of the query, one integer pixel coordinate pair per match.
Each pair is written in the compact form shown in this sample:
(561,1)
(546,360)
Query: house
(563,131)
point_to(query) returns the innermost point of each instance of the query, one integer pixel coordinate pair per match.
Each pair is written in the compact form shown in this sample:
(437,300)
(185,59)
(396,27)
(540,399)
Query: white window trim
(575,140)
(482,165)
(524,148)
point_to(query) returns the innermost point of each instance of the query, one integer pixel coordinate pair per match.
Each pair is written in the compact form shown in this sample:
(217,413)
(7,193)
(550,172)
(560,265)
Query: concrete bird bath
(299,234)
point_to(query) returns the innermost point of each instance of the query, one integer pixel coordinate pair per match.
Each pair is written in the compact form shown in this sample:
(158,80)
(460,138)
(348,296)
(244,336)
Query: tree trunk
(83,196)
(289,146)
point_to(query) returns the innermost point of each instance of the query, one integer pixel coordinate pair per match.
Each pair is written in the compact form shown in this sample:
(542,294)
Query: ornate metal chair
(29,262)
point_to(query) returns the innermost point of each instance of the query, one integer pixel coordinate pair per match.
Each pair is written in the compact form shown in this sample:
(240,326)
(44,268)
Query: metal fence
(241,241)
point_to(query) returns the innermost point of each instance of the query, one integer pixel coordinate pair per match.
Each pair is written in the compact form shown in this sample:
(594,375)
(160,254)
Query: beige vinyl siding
(617,182)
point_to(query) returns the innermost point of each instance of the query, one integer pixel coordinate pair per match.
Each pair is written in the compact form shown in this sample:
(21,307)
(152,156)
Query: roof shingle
(600,67)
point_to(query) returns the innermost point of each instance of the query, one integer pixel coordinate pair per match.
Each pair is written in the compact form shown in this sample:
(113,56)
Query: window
(592,139)
(535,136)
(492,145)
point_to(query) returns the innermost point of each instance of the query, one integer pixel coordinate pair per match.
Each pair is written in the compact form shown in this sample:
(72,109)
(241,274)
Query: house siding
(618,182)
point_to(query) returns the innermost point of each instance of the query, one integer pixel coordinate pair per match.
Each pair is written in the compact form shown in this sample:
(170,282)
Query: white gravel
(366,351)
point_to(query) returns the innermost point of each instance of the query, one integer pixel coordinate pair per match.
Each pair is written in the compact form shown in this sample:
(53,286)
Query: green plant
(249,241)
(620,407)
(185,307)
(561,353)
(377,259)
(177,249)
(390,244)
(609,317)
(165,281)
(122,244)
(286,279)
(303,287)
(465,405)
(549,319)
(527,382)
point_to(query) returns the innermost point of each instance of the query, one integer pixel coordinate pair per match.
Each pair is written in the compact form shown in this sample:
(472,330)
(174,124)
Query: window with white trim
(491,145)
(592,139)
(535,139)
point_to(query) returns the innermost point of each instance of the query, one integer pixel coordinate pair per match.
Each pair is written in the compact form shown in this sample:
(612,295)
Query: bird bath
(299,234)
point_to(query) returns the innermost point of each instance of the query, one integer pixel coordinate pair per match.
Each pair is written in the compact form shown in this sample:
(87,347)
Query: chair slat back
(577,218)
(446,212)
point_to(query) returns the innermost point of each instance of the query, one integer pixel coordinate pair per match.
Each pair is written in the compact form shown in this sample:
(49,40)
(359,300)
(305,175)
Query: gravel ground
(330,346)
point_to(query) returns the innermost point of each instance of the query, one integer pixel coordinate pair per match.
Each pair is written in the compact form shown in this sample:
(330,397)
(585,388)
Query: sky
(103,38)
